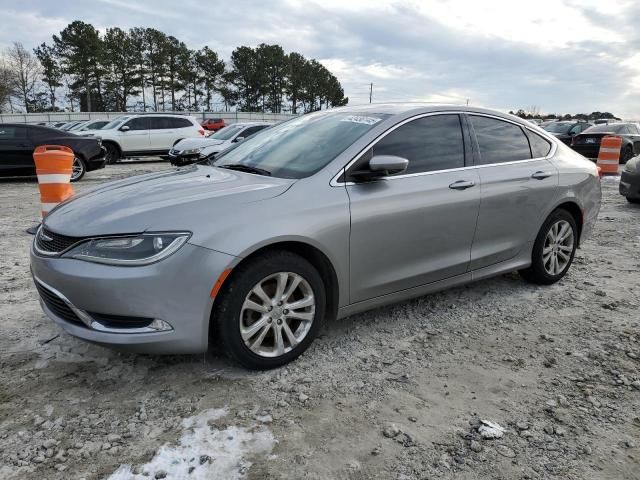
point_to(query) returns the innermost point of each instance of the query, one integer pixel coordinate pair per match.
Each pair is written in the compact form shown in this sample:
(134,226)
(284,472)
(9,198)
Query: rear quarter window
(540,147)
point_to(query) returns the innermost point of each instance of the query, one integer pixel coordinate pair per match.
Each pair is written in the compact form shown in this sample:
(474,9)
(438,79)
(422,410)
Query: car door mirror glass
(380,166)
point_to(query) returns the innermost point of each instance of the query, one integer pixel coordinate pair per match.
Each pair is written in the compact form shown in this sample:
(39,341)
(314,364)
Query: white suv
(144,134)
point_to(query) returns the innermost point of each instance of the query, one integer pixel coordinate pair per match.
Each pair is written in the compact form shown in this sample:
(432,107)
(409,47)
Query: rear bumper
(587,150)
(630,185)
(175,293)
(179,160)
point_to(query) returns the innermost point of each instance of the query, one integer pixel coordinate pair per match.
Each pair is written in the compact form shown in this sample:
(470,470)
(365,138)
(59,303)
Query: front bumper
(173,292)
(630,185)
(179,159)
(98,161)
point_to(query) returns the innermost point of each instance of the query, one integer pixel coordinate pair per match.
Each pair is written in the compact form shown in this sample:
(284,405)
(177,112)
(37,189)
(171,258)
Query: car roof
(247,124)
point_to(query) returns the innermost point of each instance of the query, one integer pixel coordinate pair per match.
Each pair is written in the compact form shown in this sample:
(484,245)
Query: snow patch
(204,452)
(490,430)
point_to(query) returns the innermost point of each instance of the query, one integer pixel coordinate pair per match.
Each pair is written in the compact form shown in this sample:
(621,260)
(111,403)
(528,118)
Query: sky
(557,56)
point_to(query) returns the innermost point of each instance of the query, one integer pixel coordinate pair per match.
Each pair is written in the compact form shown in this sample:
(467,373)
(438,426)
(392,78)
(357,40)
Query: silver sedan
(323,216)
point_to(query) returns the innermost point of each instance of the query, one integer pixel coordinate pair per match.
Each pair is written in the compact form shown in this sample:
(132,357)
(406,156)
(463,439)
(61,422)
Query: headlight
(191,151)
(131,250)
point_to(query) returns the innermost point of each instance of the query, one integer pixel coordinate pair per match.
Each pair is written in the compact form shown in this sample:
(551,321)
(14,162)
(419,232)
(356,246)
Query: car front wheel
(553,250)
(79,169)
(113,154)
(271,309)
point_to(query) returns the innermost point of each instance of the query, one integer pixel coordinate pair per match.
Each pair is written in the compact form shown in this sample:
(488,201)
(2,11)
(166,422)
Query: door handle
(461,185)
(540,175)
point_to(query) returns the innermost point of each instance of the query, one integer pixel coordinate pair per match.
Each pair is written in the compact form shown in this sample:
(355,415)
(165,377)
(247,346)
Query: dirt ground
(396,393)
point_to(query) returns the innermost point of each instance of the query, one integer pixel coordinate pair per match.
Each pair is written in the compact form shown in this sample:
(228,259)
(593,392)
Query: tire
(233,311)
(79,169)
(544,272)
(633,200)
(626,155)
(113,153)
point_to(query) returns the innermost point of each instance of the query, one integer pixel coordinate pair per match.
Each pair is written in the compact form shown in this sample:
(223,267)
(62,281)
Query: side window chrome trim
(335,183)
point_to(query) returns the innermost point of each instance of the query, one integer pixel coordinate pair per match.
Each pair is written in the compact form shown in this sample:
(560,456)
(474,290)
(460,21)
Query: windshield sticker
(360,119)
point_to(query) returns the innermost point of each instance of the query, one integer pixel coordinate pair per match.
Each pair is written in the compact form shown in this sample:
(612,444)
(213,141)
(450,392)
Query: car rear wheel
(553,250)
(113,154)
(79,169)
(270,311)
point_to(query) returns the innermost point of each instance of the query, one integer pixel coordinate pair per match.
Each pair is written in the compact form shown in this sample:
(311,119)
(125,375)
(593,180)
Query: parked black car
(587,143)
(18,141)
(630,180)
(565,131)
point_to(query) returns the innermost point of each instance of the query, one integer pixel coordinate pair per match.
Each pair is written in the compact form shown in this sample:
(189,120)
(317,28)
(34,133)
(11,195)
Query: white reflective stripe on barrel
(608,162)
(609,150)
(47,207)
(54,178)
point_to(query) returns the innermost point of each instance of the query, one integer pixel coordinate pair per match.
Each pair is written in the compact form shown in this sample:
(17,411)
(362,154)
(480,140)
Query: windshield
(226,133)
(116,122)
(557,127)
(615,128)
(302,146)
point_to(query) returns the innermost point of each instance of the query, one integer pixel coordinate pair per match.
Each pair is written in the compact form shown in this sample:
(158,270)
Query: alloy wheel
(277,314)
(78,169)
(558,247)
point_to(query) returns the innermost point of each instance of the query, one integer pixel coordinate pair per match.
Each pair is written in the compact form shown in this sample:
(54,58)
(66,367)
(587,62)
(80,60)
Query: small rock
(489,430)
(560,431)
(113,437)
(160,474)
(522,425)
(390,431)
(586,450)
(505,451)
(302,397)
(632,355)
(376,451)
(50,443)
(413,419)
(636,384)
(204,459)
(548,429)
(475,446)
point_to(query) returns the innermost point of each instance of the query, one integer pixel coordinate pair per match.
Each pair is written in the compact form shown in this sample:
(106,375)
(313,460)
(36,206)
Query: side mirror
(381,166)
(239,139)
(124,128)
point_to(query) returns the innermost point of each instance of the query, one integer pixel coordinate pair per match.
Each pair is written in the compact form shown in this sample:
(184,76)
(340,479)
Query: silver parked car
(323,216)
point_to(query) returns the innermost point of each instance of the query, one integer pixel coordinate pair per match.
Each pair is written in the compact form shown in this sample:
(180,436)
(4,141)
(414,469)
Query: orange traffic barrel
(609,154)
(54,165)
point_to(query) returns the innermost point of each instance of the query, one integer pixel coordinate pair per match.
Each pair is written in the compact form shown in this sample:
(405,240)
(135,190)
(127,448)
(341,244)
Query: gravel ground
(413,390)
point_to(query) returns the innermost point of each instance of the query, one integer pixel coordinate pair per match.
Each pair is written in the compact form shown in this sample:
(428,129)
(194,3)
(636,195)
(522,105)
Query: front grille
(57,305)
(57,242)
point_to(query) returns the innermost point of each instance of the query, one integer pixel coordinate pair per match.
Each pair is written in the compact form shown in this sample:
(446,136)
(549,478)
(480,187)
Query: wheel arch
(311,253)
(575,211)
(114,143)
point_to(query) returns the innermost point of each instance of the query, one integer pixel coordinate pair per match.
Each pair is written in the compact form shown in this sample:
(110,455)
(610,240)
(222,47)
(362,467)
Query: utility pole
(370,91)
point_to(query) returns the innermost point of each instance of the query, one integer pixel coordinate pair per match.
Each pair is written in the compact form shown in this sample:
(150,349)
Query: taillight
(599,171)
(201,131)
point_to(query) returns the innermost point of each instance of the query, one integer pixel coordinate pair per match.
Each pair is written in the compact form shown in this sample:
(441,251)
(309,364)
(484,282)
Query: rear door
(164,133)
(414,228)
(518,185)
(136,139)
(16,151)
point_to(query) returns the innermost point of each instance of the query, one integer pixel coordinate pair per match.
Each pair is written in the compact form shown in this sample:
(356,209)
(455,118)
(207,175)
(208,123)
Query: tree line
(535,113)
(144,69)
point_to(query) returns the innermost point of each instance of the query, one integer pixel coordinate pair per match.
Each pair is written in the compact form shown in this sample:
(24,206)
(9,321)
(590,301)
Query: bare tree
(26,70)
(7,84)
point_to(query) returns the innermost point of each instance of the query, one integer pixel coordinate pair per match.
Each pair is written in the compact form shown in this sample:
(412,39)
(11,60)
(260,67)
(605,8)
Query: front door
(136,139)
(518,187)
(416,227)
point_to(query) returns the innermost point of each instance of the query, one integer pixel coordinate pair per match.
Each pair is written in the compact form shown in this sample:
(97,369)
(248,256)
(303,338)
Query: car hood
(196,142)
(180,199)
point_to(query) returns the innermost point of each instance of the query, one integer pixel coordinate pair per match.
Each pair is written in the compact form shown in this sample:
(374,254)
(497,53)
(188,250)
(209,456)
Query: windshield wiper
(246,168)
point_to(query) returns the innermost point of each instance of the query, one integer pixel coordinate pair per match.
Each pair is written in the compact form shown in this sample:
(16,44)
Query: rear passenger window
(179,122)
(539,146)
(499,141)
(160,123)
(429,143)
